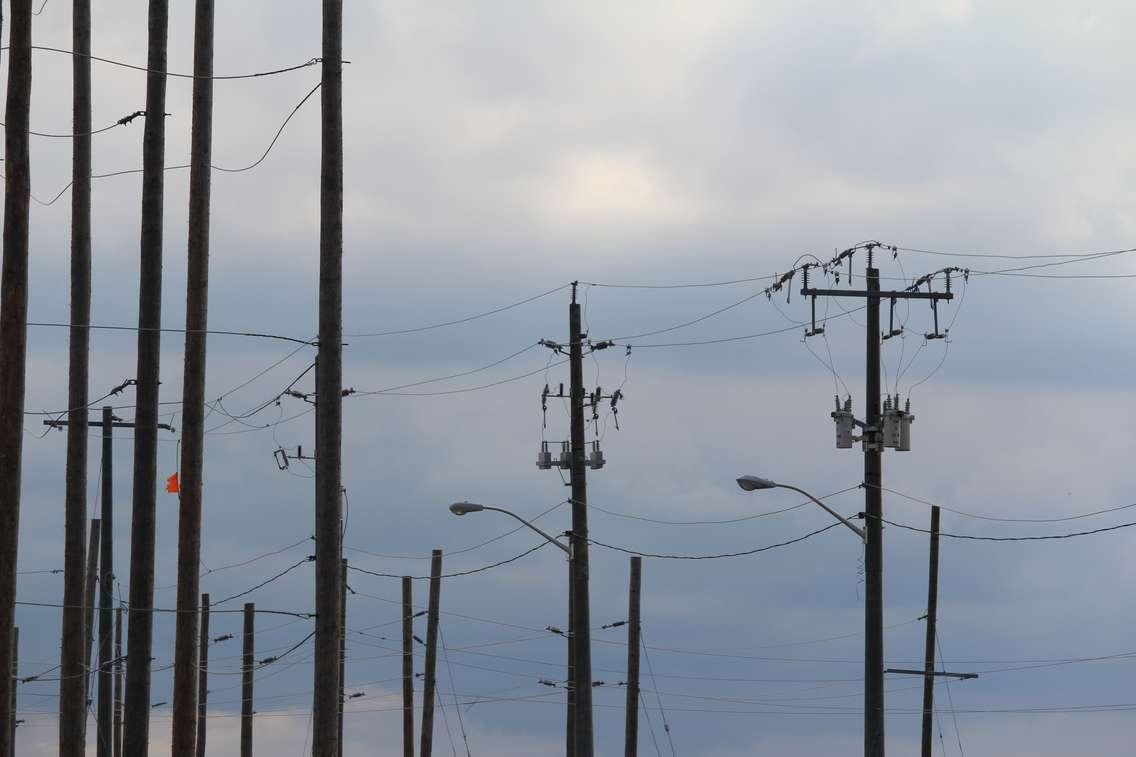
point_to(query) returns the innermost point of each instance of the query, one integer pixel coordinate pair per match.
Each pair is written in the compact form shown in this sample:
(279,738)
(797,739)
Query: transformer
(544,457)
(844,424)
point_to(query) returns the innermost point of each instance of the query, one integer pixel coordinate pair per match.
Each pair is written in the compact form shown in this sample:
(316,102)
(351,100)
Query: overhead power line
(744,553)
(224,169)
(121,64)
(482,569)
(1002,519)
(1048,537)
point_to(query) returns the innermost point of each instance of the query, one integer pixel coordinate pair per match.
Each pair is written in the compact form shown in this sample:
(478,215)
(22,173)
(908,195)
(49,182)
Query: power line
(124,121)
(483,568)
(184,166)
(1008,520)
(1048,537)
(662,522)
(467,319)
(744,553)
(279,575)
(174,74)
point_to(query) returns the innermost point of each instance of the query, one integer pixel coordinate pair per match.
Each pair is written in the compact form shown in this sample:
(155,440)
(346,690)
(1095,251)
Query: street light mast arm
(859,531)
(565,549)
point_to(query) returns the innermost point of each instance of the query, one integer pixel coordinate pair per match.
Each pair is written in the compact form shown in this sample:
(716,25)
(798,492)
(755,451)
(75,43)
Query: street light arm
(511,514)
(859,531)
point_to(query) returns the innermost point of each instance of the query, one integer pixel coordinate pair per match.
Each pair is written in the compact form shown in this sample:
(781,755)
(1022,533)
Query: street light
(753,483)
(462,508)
(583,638)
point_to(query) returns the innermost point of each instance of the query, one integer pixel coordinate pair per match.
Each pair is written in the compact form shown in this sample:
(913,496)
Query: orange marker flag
(172,485)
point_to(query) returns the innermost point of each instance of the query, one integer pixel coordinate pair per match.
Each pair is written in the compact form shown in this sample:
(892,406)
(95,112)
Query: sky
(497,151)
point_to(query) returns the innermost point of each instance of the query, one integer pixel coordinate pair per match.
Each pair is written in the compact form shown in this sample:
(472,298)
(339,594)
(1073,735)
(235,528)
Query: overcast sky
(499,150)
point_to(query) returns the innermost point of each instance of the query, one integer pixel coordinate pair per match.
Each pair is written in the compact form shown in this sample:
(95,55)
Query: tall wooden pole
(15,677)
(329,400)
(118,682)
(631,734)
(874,744)
(929,652)
(104,742)
(581,630)
(407,669)
(73,681)
(89,612)
(246,682)
(185,711)
(570,685)
(136,737)
(429,683)
(342,655)
(13,330)
(203,677)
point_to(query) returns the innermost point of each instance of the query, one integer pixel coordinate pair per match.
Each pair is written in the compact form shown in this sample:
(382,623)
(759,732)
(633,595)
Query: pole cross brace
(926,673)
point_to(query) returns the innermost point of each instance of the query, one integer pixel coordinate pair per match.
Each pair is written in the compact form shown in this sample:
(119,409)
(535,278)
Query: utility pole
(89,615)
(329,387)
(203,677)
(73,677)
(429,679)
(879,430)
(118,682)
(932,611)
(104,745)
(342,653)
(15,677)
(570,685)
(631,737)
(246,682)
(104,714)
(185,711)
(139,642)
(13,331)
(581,615)
(928,672)
(407,669)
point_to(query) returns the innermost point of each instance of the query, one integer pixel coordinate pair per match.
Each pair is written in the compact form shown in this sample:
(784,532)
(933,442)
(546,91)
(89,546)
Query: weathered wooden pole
(139,642)
(407,669)
(105,720)
(203,676)
(631,730)
(13,331)
(185,711)
(328,391)
(90,581)
(429,686)
(118,682)
(74,646)
(246,682)
(329,399)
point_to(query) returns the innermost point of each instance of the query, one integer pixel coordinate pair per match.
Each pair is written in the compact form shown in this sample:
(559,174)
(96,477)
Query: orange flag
(172,484)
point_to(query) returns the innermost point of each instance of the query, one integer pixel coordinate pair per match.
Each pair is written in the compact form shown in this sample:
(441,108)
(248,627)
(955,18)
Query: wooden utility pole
(429,681)
(246,682)
(89,612)
(329,387)
(581,615)
(13,331)
(185,711)
(139,643)
(73,680)
(118,682)
(15,677)
(873,446)
(342,654)
(929,653)
(105,726)
(570,678)
(631,735)
(203,677)
(407,669)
